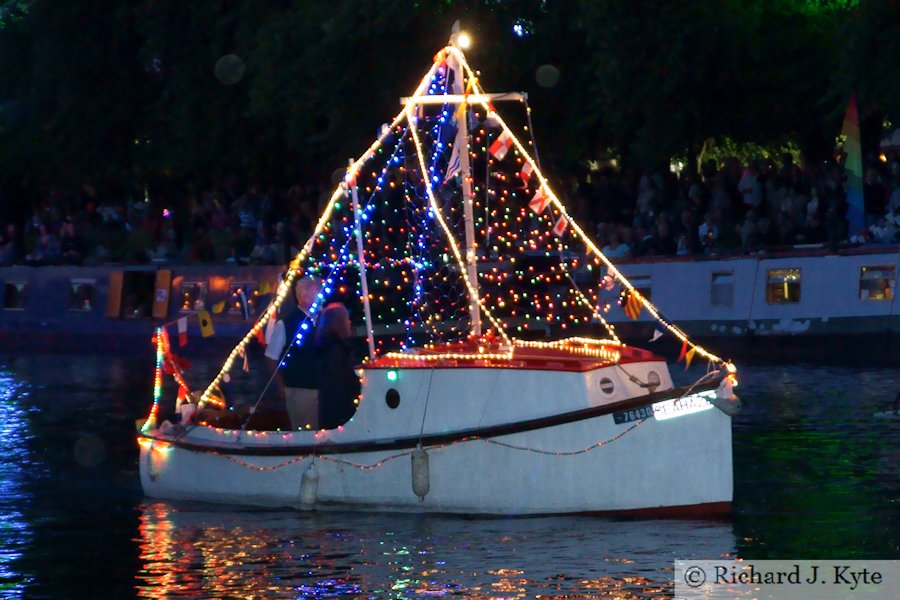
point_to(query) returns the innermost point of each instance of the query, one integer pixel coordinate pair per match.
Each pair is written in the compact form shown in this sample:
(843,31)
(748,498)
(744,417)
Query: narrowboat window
(138,288)
(81,294)
(783,286)
(193,296)
(877,283)
(721,290)
(243,299)
(15,294)
(642,284)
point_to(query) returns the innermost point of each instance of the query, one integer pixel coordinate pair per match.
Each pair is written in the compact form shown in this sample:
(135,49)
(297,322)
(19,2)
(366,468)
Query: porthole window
(392,398)
(607,386)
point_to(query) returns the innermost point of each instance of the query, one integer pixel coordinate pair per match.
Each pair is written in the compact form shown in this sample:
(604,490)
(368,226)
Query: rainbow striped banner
(856,217)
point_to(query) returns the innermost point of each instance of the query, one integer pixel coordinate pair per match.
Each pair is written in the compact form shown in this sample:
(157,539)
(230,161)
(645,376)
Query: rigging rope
(545,185)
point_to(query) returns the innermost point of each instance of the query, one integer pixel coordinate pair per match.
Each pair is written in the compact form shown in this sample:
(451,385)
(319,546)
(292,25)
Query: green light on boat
(392,375)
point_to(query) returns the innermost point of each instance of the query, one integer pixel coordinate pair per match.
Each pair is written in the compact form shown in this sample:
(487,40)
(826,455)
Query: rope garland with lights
(304,326)
(590,448)
(171,362)
(560,246)
(450,238)
(150,422)
(545,187)
(383,461)
(286,285)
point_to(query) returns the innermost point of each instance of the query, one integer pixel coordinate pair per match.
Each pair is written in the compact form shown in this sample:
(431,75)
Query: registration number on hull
(667,409)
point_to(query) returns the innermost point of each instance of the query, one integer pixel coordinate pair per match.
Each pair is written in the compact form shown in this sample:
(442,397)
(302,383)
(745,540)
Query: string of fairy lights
(417,268)
(150,422)
(286,285)
(381,462)
(544,187)
(558,205)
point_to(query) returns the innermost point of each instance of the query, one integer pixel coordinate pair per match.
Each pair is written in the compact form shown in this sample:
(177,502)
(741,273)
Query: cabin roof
(577,358)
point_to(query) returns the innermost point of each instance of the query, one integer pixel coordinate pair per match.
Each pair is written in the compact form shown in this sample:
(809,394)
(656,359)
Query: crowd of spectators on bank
(736,209)
(727,209)
(223,224)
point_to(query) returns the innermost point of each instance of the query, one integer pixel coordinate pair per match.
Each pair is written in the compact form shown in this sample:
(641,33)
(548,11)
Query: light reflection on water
(815,473)
(14,459)
(815,477)
(193,549)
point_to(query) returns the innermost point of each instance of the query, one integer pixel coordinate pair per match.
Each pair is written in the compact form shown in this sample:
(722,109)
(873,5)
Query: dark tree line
(117,93)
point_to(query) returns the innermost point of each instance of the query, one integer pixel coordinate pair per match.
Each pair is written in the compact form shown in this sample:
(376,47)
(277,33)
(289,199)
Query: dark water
(816,477)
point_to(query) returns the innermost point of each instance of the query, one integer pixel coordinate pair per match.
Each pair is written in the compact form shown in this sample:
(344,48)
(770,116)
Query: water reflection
(816,476)
(15,534)
(190,550)
(814,465)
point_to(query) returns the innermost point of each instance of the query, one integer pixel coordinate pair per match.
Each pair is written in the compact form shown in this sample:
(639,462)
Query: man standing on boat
(295,365)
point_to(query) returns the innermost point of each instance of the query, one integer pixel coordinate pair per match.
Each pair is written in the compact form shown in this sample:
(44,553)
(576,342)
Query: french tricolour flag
(501,145)
(182,331)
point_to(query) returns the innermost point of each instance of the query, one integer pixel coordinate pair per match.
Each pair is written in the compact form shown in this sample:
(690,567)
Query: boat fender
(726,400)
(421,483)
(309,487)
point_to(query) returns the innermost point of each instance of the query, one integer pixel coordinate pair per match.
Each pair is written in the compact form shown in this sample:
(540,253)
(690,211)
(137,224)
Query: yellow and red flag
(633,305)
(689,357)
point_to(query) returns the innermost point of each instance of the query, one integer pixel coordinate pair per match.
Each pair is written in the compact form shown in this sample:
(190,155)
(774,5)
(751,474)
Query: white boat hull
(593,464)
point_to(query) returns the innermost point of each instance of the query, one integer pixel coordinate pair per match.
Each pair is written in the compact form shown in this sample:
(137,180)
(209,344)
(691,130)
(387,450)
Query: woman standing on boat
(295,367)
(338,384)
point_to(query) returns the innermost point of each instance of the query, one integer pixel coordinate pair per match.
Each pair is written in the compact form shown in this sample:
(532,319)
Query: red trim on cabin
(538,359)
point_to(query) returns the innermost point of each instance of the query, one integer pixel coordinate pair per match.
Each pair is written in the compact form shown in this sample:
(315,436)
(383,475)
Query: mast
(461,41)
(367,309)
(469,219)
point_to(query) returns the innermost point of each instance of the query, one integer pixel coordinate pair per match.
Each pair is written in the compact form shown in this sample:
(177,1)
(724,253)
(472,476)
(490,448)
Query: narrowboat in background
(805,295)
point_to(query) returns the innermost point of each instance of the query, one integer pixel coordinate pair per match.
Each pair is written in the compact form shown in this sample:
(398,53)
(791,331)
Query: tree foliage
(868,63)
(667,75)
(124,92)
